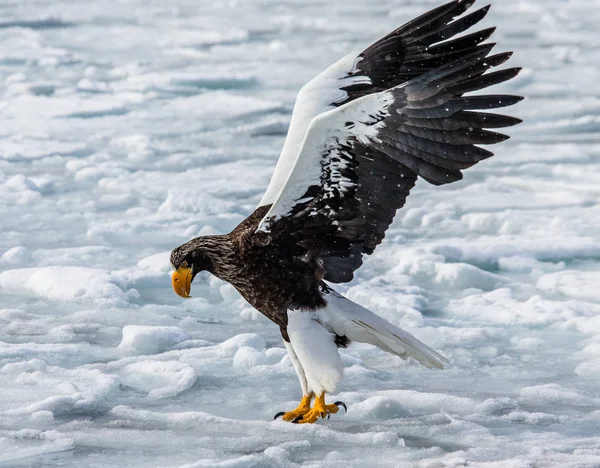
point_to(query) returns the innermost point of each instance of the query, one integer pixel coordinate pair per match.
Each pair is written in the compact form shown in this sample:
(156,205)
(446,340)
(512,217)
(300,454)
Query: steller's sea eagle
(361,134)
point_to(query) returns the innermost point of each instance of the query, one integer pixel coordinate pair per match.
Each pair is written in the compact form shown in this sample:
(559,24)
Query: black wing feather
(415,49)
(430,130)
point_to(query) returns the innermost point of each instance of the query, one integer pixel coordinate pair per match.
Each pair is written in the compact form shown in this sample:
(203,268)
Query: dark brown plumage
(269,277)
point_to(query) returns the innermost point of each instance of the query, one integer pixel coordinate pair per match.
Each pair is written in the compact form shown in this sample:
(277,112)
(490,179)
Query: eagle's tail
(346,318)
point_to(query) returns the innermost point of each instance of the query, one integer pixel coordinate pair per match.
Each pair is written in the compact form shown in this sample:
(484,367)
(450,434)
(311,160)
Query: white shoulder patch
(320,148)
(315,97)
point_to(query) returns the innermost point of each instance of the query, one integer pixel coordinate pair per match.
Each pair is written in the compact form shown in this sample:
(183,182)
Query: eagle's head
(188,260)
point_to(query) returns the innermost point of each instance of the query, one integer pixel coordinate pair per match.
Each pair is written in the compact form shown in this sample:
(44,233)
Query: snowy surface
(128,127)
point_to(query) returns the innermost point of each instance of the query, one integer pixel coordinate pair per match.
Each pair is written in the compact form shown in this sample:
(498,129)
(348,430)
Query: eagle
(362,132)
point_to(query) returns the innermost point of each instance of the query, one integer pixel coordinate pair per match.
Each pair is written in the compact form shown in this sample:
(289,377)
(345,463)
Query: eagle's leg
(307,396)
(313,352)
(320,409)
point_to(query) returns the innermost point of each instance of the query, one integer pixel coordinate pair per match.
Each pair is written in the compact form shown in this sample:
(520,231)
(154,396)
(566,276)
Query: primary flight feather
(362,132)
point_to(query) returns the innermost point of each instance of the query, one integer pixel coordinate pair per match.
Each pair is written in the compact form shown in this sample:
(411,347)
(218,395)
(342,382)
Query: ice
(151,340)
(130,127)
(17,256)
(63,284)
(159,379)
(248,341)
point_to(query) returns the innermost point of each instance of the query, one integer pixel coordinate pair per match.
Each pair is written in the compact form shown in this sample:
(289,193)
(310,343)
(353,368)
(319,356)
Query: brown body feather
(268,276)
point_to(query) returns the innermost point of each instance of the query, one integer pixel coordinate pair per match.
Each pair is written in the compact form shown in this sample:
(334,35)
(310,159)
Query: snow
(159,379)
(130,127)
(151,340)
(60,283)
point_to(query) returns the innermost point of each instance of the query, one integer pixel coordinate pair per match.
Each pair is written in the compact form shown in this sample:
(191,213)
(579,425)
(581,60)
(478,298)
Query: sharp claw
(328,416)
(281,413)
(297,420)
(341,403)
(322,415)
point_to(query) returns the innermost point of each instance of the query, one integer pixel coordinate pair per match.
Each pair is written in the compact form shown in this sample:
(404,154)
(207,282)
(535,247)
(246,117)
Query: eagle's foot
(303,408)
(320,410)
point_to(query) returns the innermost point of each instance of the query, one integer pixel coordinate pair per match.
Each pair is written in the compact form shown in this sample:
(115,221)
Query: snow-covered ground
(128,127)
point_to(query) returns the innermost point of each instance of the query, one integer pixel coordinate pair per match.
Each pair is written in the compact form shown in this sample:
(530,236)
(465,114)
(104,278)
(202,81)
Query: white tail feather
(344,317)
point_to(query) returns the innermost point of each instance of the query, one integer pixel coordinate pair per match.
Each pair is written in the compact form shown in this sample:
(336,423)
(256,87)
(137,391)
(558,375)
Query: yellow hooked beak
(182,281)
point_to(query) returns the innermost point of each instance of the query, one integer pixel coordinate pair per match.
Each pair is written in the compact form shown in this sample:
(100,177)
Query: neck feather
(221,253)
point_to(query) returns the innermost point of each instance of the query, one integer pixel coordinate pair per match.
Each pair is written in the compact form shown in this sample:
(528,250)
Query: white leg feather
(298,367)
(344,317)
(316,351)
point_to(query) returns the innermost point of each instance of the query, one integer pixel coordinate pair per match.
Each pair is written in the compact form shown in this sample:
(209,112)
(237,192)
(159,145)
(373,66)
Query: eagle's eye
(184,264)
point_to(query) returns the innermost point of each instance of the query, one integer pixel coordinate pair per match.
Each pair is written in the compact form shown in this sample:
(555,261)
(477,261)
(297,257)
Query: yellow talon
(303,408)
(305,414)
(320,409)
(332,409)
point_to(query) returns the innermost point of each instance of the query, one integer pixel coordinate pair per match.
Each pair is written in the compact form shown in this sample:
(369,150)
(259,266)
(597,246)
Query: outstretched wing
(358,161)
(411,50)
